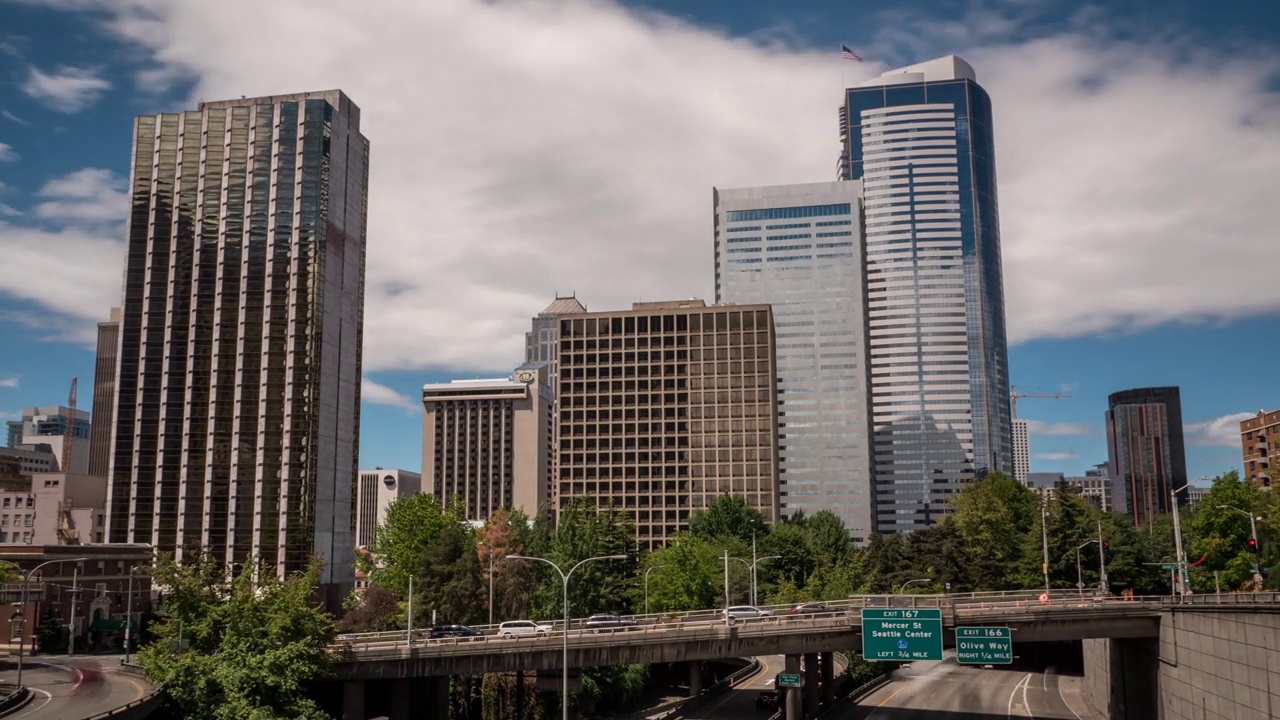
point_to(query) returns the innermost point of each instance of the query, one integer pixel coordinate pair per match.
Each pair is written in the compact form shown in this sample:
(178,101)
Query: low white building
(376,491)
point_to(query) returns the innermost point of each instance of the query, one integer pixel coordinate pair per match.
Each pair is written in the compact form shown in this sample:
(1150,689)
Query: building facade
(238,386)
(378,488)
(1095,486)
(665,407)
(799,249)
(31,459)
(1146,458)
(1021,450)
(54,509)
(104,395)
(48,425)
(543,339)
(1260,444)
(921,140)
(487,443)
(90,595)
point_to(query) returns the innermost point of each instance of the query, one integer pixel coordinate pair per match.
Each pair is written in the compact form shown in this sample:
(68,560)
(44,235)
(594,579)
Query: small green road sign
(984,646)
(788,680)
(1169,566)
(901,634)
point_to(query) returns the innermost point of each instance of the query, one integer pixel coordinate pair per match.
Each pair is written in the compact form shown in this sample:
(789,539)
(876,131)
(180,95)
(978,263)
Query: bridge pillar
(439,703)
(519,695)
(353,700)
(791,701)
(401,699)
(695,678)
(826,662)
(811,680)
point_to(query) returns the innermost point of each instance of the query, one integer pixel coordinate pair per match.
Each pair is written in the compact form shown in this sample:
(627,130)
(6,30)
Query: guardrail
(747,671)
(1236,598)
(13,698)
(136,710)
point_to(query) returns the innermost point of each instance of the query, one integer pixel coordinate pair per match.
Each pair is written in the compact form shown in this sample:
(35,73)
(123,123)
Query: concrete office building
(104,395)
(1095,486)
(487,443)
(799,249)
(1145,453)
(377,489)
(1021,450)
(48,425)
(54,509)
(31,459)
(238,388)
(1260,444)
(921,140)
(542,340)
(665,407)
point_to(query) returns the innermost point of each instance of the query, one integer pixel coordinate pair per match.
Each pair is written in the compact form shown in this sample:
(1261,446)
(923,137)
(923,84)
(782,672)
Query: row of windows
(788,212)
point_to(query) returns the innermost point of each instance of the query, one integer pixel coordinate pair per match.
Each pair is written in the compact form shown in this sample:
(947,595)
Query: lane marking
(895,692)
(1022,685)
(47,699)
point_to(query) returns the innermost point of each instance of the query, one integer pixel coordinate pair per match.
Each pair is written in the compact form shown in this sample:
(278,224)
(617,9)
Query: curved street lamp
(564,576)
(917,580)
(646,586)
(26,580)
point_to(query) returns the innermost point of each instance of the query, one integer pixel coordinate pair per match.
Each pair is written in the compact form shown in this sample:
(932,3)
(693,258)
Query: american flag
(848,54)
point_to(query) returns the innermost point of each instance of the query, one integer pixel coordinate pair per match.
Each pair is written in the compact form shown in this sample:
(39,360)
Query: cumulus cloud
(7,153)
(1056,456)
(1135,178)
(9,382)
(372,392)
(67,89)
(1036,427)
(89,195)
(87,264)
(1219,432)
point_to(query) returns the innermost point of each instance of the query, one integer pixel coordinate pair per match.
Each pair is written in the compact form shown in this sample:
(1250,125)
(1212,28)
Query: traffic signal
(1106,545)
(1252,544)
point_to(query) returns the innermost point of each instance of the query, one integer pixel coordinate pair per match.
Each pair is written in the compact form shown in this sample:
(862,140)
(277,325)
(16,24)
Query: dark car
(767,700)
(444,631)
(814,609)
(605,621)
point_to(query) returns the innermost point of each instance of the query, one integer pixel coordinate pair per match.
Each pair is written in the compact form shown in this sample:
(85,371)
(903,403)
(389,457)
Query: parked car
(816,608)
(518,628)
(605,621)
(444,631)
(743,612)
(767,700)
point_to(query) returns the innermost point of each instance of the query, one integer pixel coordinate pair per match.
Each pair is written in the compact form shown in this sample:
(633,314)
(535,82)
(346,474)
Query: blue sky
(522,149)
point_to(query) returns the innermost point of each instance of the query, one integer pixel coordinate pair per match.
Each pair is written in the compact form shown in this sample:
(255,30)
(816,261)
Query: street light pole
(1253,533)
(646,586)
(917,580)
(1044,537)
(564,576)
(408,635)
(1079,573)
(481,544)
(75,597)
(128,617)
(1102,560)
(753,574)
(726,588)
(1181,558)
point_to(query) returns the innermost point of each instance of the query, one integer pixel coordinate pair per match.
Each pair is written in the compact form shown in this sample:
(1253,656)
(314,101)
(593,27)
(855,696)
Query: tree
(449,580)
(49,632)
(402,541)
(728,516)
(377,609)
(993,517)
(1219,532)
(254,641)
(686,575)
(507,533)
(827,538)
(584,531)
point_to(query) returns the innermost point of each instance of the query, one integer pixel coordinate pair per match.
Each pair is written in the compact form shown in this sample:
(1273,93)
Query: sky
(524,148)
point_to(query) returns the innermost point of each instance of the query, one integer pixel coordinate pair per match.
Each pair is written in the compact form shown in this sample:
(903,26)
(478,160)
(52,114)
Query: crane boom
(1014,395)
(69,434)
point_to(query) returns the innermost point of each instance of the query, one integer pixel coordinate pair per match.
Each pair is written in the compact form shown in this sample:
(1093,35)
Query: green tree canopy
(728,516)
(403,540)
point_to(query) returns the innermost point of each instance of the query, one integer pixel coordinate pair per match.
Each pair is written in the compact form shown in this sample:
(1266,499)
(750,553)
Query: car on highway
(605,621)
(445,631)
(767,700)
(815,608)
(520,628)
(743,612)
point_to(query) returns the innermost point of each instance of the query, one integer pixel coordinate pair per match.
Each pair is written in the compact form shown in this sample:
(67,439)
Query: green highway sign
(788,680)
(901,634)
(984,646)
(1169,566)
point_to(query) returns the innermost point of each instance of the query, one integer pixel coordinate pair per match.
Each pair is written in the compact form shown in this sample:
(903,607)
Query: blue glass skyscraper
(920,139)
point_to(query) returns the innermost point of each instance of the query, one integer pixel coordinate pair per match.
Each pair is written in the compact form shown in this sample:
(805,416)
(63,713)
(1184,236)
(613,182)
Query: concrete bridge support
(353,700)
(792,701)
(695,678)
(406,698)
(826,662)
(812,681)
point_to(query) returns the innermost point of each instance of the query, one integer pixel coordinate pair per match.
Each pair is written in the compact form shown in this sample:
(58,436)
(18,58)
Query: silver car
(518,628)
(743,612)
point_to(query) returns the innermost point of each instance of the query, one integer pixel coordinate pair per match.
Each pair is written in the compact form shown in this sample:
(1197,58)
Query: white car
(742,612)
(517,628)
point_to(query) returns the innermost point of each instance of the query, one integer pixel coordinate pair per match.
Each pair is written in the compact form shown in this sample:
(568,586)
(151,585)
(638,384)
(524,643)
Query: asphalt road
(73,688)
(740,702)
(946,691)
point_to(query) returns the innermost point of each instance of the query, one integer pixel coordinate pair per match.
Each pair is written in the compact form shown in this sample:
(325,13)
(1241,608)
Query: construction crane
(68,436)
(1014,395)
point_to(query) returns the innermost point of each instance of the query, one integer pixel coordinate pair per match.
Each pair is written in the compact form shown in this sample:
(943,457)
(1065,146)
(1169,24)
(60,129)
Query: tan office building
(487,443)
(1260,441)
(666,406)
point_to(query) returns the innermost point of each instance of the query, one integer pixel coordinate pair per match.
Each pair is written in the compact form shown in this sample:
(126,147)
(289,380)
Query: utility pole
(75,597)
(1102,559)
(1044,537)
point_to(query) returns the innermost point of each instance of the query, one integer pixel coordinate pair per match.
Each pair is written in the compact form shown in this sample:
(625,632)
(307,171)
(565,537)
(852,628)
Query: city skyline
(67,195)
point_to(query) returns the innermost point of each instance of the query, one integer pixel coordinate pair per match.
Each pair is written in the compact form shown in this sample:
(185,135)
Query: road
(73,688)
(740,702)
(946,691)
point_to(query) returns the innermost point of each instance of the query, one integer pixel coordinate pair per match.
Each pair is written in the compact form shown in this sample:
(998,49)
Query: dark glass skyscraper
(238,389)
(1145,451)
(921,141)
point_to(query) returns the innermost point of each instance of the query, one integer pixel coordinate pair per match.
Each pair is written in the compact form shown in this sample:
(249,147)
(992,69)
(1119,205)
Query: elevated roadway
(74,688)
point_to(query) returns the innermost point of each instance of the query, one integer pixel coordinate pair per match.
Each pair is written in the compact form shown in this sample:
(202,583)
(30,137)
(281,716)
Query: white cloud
(9,382)
(90,195)
(1056,456)
(67,89)
(7,153)
(1036,427)
(87,265)
(10,116)
(372,392)
(9,211)
(1219,432)
(534,145)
